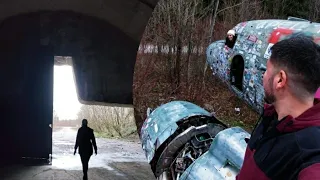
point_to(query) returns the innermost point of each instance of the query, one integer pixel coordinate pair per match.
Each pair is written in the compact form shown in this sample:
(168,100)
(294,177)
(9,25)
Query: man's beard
(269,96)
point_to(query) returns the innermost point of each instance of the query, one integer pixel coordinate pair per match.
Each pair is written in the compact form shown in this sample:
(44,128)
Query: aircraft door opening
(236,73)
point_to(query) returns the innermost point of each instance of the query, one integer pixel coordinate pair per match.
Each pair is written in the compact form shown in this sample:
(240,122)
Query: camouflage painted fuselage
(253,43)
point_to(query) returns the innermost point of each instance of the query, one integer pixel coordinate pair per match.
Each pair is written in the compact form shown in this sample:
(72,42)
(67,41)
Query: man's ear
(281,79)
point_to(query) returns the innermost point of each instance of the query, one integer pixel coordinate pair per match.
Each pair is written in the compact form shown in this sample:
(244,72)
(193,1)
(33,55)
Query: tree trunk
(210,39)
(178,60)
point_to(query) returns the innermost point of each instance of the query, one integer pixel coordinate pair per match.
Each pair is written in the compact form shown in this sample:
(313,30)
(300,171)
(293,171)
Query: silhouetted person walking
(85,140)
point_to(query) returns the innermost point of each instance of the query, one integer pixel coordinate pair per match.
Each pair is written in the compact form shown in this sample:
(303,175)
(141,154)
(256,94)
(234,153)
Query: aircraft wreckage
(184,141)
(241,60)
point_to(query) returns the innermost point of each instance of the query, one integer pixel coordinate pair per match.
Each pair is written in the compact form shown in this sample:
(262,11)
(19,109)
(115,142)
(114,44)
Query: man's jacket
(286,149)
(85,140)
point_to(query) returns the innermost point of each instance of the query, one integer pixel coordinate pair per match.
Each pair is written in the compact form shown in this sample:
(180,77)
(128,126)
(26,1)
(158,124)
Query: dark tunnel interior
(103,61)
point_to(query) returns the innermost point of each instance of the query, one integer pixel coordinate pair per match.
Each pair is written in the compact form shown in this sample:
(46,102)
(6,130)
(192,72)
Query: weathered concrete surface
(130,16)
(103,56)
(101,36)
(116,159)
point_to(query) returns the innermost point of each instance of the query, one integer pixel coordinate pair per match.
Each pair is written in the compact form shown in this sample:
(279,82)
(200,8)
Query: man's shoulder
(308,138)
(308,142)
(85,129)
(312,130)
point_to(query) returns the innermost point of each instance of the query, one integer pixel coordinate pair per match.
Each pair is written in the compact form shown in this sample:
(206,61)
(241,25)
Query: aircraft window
(231,38)
(230,43)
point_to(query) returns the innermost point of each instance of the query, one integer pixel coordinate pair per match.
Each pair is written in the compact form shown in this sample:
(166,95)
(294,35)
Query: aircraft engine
(183,141)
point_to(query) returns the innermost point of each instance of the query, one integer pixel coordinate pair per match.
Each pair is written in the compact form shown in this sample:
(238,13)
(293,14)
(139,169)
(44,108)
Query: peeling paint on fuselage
(253,43)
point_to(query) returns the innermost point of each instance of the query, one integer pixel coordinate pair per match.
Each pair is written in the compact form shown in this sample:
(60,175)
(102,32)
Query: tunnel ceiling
(101,36)
(131,16)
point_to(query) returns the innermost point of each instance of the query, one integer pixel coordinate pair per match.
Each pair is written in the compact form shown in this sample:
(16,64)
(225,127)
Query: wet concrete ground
(116,159)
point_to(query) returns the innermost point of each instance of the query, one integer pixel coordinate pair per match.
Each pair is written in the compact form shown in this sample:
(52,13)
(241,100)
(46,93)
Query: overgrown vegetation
(171,60)
(109,121)
(106,121)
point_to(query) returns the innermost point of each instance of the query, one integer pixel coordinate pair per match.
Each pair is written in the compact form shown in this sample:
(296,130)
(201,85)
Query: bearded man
(285,144)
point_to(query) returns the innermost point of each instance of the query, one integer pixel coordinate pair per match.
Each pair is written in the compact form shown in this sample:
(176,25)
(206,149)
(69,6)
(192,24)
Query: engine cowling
(181,139)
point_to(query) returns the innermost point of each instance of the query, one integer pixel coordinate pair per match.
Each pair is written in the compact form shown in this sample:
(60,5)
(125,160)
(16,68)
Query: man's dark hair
(299,56)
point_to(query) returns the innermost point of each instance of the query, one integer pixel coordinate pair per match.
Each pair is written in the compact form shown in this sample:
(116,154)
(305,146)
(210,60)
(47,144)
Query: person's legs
(87,158)
(84,161)
(85,165)
(88,161)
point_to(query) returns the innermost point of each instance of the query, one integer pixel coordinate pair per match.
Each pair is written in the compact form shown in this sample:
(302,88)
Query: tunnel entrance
(65,109)
(108,123)
(29,42)
(30,38)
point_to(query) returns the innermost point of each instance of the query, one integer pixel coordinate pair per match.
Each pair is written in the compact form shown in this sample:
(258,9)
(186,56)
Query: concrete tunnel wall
(103,47)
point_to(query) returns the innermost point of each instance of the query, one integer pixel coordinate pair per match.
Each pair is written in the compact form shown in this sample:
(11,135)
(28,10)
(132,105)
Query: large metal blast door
(26,98)
(39,95)
(26,92)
